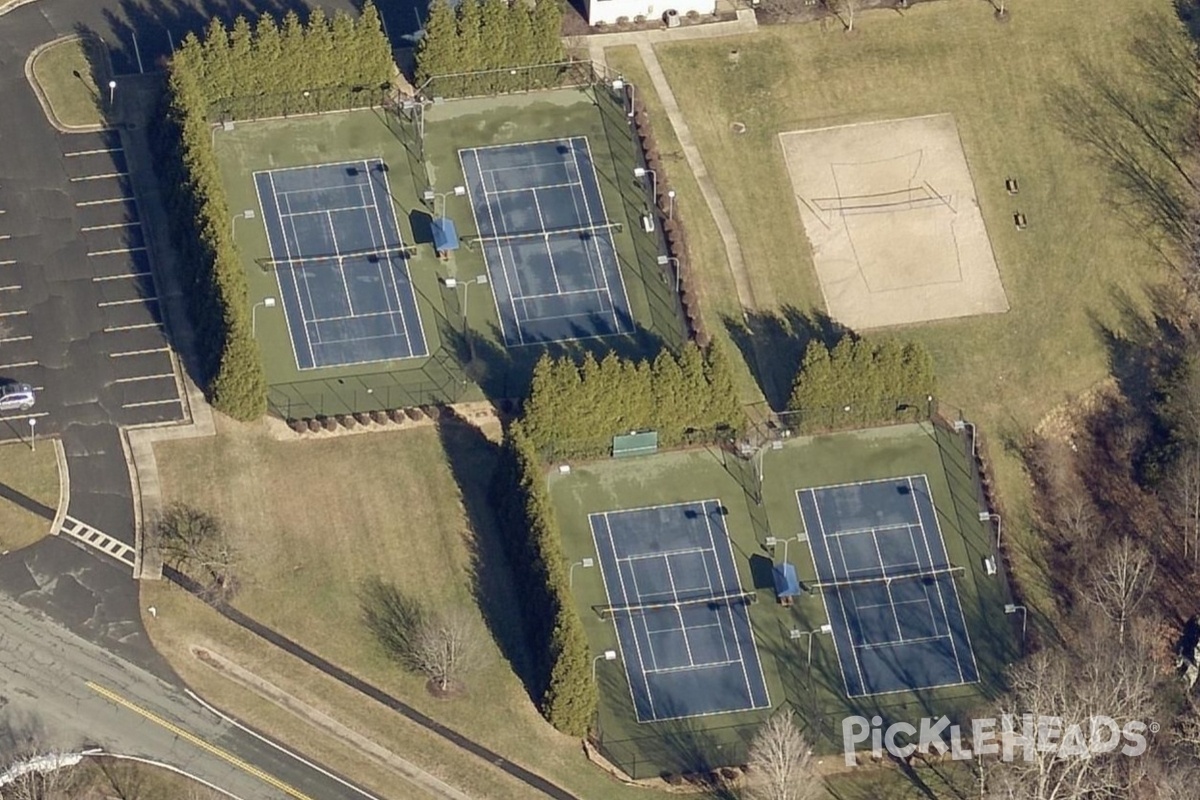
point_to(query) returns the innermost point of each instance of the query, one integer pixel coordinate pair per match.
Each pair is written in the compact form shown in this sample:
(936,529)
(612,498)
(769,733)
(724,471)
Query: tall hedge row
(561,668)
(860,383)
(203,72)
(481,35)
(575,410)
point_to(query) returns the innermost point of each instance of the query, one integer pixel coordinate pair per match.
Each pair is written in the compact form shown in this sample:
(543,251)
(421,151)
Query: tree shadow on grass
(473,458)
(773,345)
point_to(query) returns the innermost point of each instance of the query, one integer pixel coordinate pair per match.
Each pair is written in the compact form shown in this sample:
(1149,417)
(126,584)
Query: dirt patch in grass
(64,72)
(27,478)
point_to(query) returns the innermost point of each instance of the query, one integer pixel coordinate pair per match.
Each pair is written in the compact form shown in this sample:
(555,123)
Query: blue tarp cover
(445,235)
(786,584)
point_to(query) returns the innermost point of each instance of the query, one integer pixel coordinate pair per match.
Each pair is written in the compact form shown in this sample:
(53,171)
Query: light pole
(672,261)
(670,204)
(607,655)
(620,85)
(247,214)
(959,424)
(454,283)
(33,434)
(799,634)
(112,92)
(771,541)
(1012,608)
(266,302)
(430,196)
(984,516)
(586,563)
(641,172)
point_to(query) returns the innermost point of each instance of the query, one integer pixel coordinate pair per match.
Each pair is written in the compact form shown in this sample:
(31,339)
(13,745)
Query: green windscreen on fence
(635,444)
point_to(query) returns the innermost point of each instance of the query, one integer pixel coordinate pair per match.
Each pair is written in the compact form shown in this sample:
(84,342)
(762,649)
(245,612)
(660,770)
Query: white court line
(612,543)
(906,642)
(841,602)
(958,600)
(549,253)
(115,251)
(381,244)
(693,668)
(855,531)
(611,241)
(12,288)
(387,198)
(13,313)
(151,403)
(93,152)
(5,237)
(83,203)
(341,266)
(100,177)
(138,327)
(887,586)
(122,277)
(567,185)
(146,352)
(683,551)
(15,339)
(108,303)
(712,540)
(508,277)
(678,613)
(326,210)
(140,378)
(110,226)
(8,262)
(287,317)
(345,317)
(287,250)
(19,364)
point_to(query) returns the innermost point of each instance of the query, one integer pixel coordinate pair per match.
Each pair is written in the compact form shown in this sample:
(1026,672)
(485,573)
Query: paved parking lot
(80,319)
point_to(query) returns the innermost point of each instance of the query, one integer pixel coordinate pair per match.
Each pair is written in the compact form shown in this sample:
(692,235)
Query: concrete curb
(12,5)
(64,487)
(41,96)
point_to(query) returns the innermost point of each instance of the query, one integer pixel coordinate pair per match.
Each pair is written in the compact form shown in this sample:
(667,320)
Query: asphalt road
(60,690)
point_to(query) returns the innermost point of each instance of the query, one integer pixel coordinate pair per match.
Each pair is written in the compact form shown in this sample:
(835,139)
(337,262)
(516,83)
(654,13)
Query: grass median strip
(65,73)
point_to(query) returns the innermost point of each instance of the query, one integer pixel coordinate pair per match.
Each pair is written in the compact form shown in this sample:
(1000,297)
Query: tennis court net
(335,259)
(583,233)
(608,612)
(926,576)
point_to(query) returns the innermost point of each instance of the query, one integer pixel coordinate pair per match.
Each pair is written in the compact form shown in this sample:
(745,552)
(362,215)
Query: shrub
(314,425)
(330,423)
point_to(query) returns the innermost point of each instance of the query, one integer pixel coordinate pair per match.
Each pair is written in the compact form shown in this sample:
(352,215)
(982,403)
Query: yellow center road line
(196,740)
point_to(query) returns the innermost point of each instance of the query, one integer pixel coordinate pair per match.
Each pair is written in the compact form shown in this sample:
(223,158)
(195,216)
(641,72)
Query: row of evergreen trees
(482,35)
(861,383)
(575,410)
(201,73)
(561,672)
(274,68)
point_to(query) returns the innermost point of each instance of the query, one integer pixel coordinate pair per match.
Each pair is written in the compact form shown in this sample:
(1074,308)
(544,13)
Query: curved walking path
(645,41)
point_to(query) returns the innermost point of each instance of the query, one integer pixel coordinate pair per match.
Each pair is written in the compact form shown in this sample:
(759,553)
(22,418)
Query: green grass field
(64,72)
(646,749)
(454,334)
(33,474)
(1068,276)
(313,521)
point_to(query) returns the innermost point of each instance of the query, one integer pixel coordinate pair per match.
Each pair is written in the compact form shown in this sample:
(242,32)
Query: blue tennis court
(547,242)
(681,617)
(340,264)
(888,586)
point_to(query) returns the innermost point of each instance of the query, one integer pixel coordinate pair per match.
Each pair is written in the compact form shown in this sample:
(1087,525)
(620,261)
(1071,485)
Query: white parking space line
(24,417)
(9,288)
(133,353)
(8,262)
(93,152)
(118,250)
(125,276)
(15,339)
(100,177)
(137,327)
(5,236)
(19,364)
(160,376)
(108,303)
(150,403)
(111,226)
(104,202)
(13,313)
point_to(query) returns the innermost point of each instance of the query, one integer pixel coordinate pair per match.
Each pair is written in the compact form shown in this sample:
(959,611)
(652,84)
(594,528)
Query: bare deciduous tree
(195,542)
(1182,492)
(41,775)
(446,647)
(1074,685)
(845,11)
(781,763)
(1119,580)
